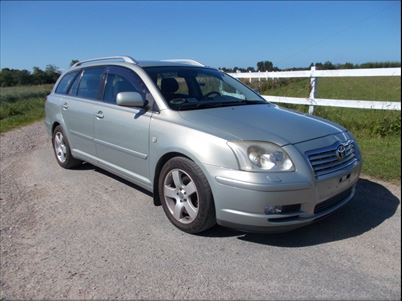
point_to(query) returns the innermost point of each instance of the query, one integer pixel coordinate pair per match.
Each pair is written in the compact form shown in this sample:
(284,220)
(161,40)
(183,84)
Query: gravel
(86,234)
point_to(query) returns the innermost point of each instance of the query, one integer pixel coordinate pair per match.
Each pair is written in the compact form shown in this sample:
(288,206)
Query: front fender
(203,148)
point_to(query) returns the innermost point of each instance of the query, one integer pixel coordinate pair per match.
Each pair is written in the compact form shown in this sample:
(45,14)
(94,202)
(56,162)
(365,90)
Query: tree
(346,66)
(73,62)
(6,78)
(52,73)
(266,66)
(328,65)
(38,76)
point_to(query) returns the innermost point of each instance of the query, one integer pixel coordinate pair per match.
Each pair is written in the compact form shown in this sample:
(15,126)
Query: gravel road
(86,234)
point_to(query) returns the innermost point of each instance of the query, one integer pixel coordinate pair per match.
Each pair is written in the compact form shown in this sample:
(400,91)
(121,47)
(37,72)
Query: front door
(122,133)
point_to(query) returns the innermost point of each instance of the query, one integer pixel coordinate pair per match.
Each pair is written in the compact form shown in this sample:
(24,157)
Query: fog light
(271,209)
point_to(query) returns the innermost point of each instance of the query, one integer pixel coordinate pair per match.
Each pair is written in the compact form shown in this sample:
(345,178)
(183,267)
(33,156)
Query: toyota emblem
(340,152)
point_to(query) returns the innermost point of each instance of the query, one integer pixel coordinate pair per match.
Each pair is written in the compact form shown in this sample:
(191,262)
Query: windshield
(190,88)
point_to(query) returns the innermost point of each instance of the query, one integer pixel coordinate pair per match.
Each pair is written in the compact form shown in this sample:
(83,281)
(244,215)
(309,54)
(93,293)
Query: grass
(377,131)
(381,157)
(21,105)
(359,88)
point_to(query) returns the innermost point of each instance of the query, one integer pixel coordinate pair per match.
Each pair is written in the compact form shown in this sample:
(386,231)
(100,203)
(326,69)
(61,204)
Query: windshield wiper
(252,102)
(216,104)
(199,105)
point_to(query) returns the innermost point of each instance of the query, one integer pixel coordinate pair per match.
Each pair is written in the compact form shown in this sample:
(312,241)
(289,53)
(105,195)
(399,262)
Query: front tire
(62,150)
(186,196)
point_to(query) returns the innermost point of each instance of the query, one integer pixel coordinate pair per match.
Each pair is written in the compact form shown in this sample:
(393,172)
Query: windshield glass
(190,88)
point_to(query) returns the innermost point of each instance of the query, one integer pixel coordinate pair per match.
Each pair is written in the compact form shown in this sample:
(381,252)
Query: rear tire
(62,150)
(186,196)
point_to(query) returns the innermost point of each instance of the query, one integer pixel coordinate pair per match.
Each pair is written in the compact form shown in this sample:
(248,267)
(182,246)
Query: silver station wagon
(210,149)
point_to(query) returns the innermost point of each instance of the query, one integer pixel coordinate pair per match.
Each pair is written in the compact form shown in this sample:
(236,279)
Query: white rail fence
(313,74)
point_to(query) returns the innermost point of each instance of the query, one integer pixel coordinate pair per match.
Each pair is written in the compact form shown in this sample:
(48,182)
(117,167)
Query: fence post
(313,83)
(250,76)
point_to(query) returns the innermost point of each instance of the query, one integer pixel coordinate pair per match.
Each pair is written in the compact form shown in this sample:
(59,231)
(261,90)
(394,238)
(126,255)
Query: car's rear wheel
(62,150)
(186,196)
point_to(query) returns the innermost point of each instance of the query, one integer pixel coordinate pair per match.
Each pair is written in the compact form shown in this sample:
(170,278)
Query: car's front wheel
(186,196)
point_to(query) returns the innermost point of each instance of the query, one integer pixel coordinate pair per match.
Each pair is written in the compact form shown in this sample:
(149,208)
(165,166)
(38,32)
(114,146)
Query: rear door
(78,109)
(122,133)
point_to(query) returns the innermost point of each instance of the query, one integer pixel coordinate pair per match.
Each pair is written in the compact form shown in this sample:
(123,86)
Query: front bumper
(242,204)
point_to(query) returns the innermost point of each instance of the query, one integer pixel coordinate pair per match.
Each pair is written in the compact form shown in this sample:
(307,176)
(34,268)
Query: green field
(377,131)
(21,105)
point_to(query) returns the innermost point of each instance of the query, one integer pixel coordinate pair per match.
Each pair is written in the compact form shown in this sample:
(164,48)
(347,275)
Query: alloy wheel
(181,196)
(60,147)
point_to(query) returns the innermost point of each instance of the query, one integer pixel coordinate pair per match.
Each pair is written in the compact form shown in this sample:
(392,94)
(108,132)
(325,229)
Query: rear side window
(74,86)
(90,83)
(65,82)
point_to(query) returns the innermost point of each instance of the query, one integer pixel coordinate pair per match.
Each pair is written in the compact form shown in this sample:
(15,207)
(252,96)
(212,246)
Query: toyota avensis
(209,148)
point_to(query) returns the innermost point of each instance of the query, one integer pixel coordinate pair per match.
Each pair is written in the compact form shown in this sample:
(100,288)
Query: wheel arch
(55,123)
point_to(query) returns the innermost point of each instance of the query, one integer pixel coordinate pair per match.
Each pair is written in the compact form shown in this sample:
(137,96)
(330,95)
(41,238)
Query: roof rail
(185,61)
(127,59)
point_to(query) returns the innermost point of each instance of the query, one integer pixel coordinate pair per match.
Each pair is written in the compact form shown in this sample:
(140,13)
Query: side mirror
(130,99)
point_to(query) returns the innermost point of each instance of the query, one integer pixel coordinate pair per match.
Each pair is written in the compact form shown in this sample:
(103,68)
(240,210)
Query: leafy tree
(266,66)
(346,66)
(52,73)
(73,62)
(328,65)
(39,76)
(6,78)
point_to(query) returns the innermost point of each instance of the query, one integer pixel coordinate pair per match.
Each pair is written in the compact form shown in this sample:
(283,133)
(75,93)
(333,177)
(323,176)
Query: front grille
(326,160)
(332,202)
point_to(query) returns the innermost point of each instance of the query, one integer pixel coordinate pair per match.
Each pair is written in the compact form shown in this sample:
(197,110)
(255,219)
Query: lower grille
(332,202)
(288,209)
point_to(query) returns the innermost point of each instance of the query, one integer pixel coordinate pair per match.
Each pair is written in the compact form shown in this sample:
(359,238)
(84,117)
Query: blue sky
(219,34)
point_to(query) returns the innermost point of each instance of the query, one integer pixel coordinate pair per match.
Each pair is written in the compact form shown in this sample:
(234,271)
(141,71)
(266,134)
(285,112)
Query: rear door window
(74,87)
(65,82)
(90,83)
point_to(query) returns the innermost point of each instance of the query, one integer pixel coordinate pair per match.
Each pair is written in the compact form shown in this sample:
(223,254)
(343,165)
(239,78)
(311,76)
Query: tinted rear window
(65,82)
(74,86)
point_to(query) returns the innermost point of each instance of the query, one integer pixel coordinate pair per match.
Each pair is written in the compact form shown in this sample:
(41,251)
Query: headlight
(261,156)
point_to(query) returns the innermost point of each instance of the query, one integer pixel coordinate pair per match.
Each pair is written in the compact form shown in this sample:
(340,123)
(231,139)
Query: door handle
(100,115)
(65,106)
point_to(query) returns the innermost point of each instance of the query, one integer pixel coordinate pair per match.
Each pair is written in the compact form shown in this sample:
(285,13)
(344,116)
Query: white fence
(313,74)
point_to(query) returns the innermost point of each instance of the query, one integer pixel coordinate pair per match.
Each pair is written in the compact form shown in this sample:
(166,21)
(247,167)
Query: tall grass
(11,94)
(21,105)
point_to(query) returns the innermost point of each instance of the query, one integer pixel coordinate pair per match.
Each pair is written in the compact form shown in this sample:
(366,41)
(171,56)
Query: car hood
(264,122)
